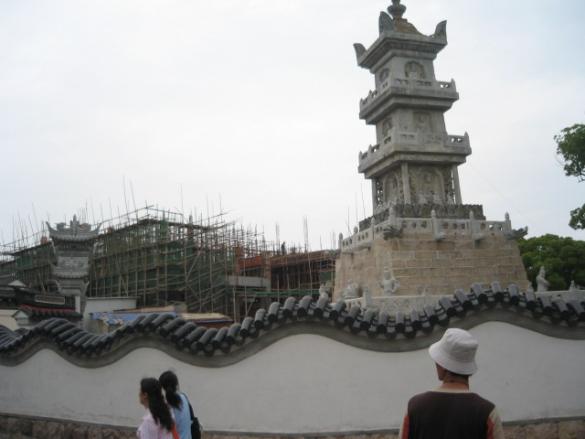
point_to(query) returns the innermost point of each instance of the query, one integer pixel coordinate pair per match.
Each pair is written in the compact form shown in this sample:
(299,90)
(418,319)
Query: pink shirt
(151,430)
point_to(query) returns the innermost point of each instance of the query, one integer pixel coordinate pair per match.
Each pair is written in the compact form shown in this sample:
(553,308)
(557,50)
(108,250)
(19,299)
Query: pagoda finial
(397,10)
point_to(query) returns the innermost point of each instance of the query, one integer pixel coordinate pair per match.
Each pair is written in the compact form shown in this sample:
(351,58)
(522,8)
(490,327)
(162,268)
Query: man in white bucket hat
(452,411)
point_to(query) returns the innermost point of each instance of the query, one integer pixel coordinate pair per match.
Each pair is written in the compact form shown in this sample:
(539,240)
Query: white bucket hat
(455,351)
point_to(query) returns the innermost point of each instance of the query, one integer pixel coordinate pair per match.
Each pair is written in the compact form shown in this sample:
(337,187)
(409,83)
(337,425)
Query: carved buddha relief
(383,75)
(414,70)
(422,121)
(428,186)
(386,127)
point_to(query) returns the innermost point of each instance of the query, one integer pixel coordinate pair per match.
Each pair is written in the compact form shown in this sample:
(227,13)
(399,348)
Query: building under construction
(159,257)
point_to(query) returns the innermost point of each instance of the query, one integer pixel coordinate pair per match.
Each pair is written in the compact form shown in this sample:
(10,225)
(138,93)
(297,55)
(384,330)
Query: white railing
(358,240)
(371,149)
(441,228)
(418,138)
(458,140)
(447,86)
(372,95)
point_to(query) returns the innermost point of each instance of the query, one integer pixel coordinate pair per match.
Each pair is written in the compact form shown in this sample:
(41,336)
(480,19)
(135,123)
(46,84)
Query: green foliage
(578,218)
(571,146)
(562,258)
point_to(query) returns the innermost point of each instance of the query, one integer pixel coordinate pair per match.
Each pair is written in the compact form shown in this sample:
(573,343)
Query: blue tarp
(120,318)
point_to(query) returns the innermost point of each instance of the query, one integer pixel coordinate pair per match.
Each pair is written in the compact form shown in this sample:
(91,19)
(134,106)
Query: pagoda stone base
(424,265)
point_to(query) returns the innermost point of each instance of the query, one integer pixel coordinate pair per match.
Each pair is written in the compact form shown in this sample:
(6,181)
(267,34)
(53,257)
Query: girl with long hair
(178,403)
(158,422)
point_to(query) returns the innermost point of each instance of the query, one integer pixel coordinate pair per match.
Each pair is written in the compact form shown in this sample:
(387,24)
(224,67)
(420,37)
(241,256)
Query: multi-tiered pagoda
(420,229)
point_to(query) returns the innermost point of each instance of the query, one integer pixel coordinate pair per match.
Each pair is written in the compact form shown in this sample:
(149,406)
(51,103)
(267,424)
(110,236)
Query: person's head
(454,355)
(151,397)
(170,384)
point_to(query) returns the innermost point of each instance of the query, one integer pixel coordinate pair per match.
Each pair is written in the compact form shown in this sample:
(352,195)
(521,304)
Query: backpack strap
(190,407)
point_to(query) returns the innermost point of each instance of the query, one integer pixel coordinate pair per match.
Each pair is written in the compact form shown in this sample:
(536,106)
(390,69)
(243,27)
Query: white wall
(306,383)
(108,304)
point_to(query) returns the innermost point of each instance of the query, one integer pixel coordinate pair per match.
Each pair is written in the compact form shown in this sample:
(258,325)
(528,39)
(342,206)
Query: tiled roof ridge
(53,311)
(365,328)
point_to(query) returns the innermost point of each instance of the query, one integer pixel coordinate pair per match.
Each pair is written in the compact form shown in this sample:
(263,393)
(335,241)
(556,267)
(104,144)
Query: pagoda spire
(397,10)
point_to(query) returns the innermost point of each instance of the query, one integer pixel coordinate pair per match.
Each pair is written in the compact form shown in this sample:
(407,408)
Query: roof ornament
(397,23)
(397,10)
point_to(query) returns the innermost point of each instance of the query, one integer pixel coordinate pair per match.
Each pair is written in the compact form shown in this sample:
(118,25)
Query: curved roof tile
(368,329)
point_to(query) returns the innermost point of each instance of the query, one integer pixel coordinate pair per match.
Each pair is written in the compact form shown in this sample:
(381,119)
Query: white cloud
(257,101)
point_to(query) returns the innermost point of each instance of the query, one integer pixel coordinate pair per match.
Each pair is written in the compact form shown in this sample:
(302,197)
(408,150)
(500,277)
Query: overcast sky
(255,102)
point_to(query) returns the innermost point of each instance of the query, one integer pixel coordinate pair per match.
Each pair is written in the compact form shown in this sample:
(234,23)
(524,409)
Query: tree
(571,146)
(562,258)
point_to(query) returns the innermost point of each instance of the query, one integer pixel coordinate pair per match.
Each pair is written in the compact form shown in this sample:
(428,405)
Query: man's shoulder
(429,397)
(420,398)
(483,400)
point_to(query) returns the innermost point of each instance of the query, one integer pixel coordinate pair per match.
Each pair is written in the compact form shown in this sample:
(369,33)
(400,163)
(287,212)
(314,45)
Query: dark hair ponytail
(170,382)
(156,403)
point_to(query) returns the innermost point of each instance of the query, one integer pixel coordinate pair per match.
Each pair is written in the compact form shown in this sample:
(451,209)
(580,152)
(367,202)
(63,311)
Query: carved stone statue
(541,283)
(325,289)
(438,233)
(351,290)
(389,283)
(393,228)
(511,233)
(392,231)
(517,233)
(368,302)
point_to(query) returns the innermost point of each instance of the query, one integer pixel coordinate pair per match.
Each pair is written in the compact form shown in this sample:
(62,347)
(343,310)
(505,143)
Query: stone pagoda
(73,245)
(420,231)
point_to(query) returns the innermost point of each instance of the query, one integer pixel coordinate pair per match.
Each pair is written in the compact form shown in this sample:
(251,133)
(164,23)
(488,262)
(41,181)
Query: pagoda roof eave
(394,41)
(375,168)
(68,237)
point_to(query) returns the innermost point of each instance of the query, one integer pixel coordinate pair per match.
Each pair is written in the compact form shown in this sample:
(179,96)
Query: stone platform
(466,252)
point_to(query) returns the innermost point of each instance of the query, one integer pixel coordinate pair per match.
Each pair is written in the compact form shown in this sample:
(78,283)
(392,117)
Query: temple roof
(366,329)
(75,232)
(396,33)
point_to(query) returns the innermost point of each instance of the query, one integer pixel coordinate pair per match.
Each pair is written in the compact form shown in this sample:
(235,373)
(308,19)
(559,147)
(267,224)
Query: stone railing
(403,82)
(359,240)
(371,149)
(454,225)
(372,95)
(441,228)
(444,84)
(458,140)
(447,86)
(414,138)
(454,211)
